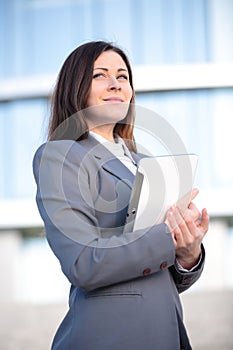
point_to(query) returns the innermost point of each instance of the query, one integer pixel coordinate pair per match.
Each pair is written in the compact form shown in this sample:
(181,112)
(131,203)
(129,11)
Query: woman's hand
(188,229)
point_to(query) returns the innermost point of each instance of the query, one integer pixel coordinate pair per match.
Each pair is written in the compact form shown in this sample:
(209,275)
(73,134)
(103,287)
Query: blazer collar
(107,160)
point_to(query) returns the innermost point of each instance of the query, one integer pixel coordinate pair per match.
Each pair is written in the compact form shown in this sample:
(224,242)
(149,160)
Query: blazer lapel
(118,169)
(108,161)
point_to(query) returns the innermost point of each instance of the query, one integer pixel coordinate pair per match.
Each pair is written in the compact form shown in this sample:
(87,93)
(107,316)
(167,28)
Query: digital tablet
(160,182)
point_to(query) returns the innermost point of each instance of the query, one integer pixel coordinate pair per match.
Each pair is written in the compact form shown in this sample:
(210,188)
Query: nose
(114,84)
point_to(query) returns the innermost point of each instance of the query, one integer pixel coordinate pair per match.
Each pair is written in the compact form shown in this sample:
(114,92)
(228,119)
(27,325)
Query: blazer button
(147,271)
(163,265)
(187,279)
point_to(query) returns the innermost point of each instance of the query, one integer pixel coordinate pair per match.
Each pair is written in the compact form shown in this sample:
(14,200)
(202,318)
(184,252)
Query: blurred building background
(182,57)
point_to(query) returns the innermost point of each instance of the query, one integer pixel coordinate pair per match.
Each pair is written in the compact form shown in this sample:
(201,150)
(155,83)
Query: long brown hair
(71,92)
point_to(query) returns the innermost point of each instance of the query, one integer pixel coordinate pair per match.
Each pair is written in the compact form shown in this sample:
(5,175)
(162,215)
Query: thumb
(194,193)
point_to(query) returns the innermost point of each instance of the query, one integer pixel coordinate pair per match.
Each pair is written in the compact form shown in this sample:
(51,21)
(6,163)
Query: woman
(124,287)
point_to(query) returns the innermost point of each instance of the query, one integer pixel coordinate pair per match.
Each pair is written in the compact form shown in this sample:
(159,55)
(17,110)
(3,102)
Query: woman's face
(110,92)
(110,83)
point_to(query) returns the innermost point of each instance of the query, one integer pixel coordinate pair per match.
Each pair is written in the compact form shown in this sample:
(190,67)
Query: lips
(113,99)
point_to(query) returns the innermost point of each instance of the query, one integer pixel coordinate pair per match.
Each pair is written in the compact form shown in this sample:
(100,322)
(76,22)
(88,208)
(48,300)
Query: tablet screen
(160,182)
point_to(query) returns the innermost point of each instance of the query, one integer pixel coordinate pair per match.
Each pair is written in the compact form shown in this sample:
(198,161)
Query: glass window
(203,119)
(37,35)
(22,124)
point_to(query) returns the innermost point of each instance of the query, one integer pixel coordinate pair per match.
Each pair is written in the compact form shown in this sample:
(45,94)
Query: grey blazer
(124,287)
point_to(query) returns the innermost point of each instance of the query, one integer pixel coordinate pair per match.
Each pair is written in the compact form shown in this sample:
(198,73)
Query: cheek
(129,93)
(94,95)
(91,99)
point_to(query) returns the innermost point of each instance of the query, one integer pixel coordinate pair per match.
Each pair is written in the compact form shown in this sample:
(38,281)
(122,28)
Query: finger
(194,193)
(181,220)
(204,223)
(174,239)
(171,225)
(191,225)
(174,224)
(181,232)
(197,231)
(193,211)
(192,206)
(171,219)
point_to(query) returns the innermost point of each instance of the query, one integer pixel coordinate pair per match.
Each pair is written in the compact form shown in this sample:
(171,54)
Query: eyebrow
(106,69)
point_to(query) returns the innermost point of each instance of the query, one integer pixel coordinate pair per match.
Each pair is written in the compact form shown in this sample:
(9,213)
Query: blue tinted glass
(203,119)
(22,130)
(37,35)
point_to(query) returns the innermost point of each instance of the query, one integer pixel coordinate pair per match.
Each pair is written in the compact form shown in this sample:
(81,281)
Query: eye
(123,77)
(98,75)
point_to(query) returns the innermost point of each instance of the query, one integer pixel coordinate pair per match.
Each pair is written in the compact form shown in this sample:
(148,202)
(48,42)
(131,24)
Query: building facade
(182,57)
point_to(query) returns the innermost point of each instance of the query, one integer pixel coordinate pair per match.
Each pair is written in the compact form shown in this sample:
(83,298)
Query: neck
(105,131)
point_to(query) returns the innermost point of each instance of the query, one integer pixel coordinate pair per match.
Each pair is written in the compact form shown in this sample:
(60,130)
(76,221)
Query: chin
(107,113)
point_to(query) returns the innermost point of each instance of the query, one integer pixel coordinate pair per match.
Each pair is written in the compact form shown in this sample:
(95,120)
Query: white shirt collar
(120,141)
(98,137)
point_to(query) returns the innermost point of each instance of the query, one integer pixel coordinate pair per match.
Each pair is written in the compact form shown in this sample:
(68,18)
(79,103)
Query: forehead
(110,59)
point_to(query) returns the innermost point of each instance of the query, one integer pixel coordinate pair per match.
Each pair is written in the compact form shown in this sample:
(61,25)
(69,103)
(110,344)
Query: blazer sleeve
(184,280)
(66,206)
